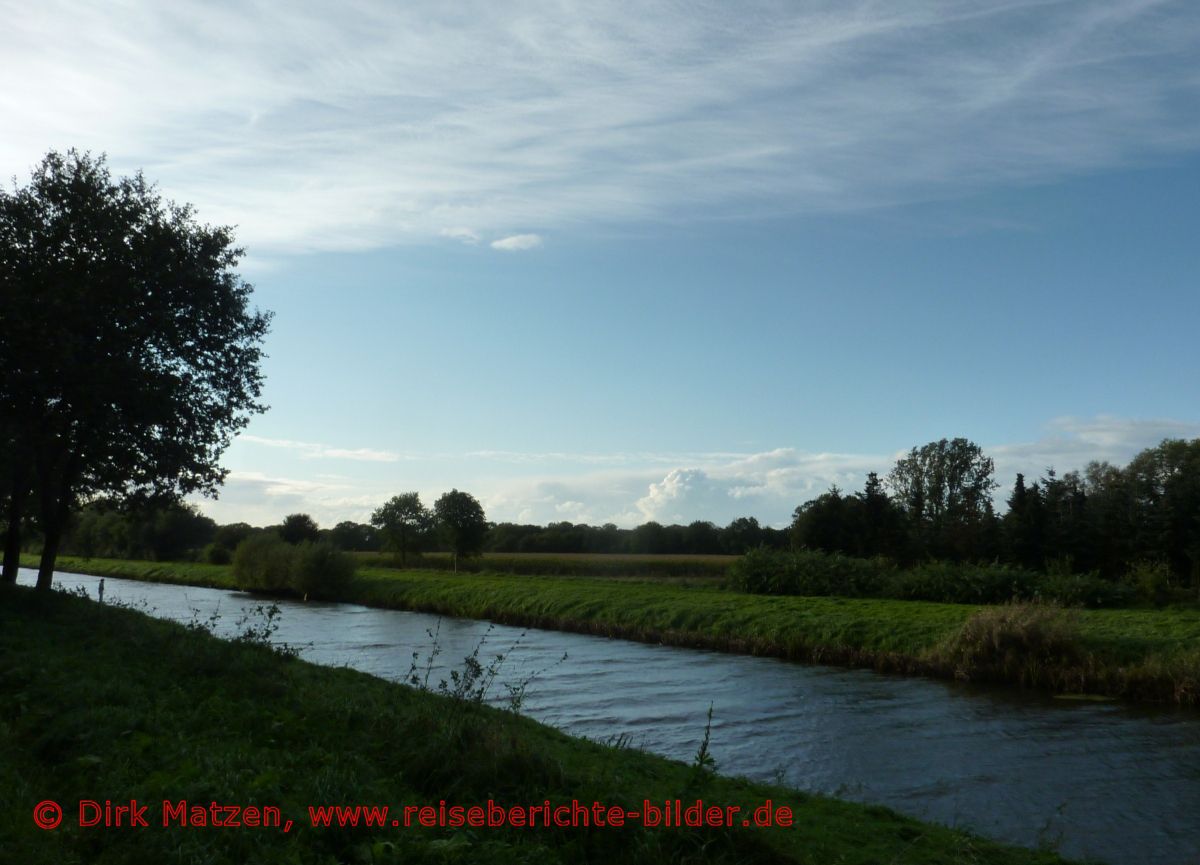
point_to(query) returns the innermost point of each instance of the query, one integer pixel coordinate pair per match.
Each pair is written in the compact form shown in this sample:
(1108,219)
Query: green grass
(1135,654)
(103,703)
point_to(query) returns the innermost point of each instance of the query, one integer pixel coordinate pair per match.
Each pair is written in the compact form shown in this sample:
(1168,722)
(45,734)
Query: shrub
(263,562)
(1151,581)
(808,572)
(962,583)
(215,554)
(1028,643)
(320,570)
(1084,590)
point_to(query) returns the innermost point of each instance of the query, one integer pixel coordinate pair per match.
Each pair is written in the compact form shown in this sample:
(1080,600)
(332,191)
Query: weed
(1015,642)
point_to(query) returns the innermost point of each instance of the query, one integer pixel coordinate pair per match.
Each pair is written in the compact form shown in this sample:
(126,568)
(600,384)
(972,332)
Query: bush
(1084,590)
(961,583)
(1151,581)
(215,554)
(263,563)
(1028,643)
(320,570)
(807,572)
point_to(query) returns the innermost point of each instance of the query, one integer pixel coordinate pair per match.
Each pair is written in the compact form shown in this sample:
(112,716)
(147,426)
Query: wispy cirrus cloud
(355,126)
(517,243)
(310,450)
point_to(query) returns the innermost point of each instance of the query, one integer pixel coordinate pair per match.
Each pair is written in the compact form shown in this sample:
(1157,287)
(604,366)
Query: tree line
(935,505)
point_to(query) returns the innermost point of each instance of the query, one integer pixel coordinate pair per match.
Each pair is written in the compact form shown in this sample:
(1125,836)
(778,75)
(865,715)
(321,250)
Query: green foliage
(298,528)
(167,531)
(215,554)
(130,353)
(963,583)
(461,523)
(263,563)
(1083,590)
(404,523)
(266,563)
(321,571)
(808,572)
(1151,581)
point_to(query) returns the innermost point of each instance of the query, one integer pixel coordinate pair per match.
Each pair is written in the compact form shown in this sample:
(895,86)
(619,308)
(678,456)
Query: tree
(1025,525)
(129,355)
(298,528)
(404,523)
(741,535)
(461,523)
(945,487)
(349,535)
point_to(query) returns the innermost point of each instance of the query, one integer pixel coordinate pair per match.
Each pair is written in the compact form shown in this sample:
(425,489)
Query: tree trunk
(12,538)
(49,554)
(55,507)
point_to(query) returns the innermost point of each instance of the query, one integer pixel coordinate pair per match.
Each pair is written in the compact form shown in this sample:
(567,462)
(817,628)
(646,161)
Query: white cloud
(465,235)
(517,242)
(359,125)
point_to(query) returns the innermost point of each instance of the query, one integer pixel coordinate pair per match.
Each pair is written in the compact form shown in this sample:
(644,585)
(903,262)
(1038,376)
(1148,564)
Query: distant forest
(937,503)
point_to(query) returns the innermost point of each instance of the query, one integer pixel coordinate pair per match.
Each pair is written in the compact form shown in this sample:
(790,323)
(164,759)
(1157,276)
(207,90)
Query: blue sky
(683,263)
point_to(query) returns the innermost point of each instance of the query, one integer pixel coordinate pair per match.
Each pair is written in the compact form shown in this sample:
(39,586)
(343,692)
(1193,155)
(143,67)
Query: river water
(1113,782)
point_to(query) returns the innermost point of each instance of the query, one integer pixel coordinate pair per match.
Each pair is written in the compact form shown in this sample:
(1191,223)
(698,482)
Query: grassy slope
(1136,654)
(97,702)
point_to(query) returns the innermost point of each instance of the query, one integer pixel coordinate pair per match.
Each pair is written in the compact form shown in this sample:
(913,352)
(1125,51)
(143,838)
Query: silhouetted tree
(129,356)
(349,535)
(742,534)
(298,528)
(461,523)
(945,487)
(404,523)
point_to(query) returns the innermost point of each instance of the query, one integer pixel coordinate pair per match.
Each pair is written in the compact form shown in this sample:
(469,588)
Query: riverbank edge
(65,736)
(512,600)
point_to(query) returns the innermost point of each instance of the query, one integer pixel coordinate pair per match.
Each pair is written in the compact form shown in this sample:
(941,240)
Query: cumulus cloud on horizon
(317,127)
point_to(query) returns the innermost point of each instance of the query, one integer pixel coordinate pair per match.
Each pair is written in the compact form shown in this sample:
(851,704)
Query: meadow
(102,703)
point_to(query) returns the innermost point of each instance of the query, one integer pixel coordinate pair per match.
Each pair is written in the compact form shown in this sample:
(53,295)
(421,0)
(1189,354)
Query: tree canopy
(130,354)
(461,523)
(404,523)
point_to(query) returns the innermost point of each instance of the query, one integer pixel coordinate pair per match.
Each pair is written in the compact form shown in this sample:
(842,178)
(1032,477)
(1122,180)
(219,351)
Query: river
(1094,779)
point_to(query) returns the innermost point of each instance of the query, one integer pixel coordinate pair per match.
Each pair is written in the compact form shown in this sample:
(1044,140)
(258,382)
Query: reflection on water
(1102,780)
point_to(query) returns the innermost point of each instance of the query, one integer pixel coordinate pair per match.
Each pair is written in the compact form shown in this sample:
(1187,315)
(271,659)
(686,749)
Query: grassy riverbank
(1135,654)
(101,703)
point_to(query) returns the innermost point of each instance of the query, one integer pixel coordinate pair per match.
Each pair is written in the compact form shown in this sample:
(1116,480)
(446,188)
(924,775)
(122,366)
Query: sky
(619,262)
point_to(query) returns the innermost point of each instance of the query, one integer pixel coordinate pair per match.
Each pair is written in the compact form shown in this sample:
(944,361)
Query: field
(1134,654)
(103,703)
(614,565)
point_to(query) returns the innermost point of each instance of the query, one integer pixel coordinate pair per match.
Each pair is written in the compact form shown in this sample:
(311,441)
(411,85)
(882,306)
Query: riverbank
(103,703)
(1132,654)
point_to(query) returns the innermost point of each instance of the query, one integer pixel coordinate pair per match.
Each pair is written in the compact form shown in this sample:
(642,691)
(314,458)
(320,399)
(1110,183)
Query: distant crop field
(616,565)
